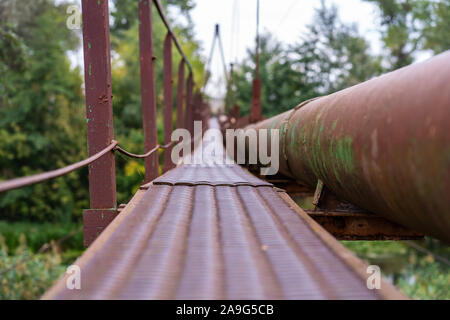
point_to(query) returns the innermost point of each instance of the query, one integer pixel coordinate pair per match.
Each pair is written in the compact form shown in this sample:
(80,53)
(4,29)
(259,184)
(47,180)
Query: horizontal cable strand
(40,177)
(145,155)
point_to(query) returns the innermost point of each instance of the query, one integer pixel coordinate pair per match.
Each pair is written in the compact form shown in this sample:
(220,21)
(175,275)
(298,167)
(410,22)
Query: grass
(25,274)
(419,275)
(31,279)
(37,234)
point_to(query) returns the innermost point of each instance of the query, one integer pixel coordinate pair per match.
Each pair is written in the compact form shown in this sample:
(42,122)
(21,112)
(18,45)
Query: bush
(415,273)
(30,279)
(39,234)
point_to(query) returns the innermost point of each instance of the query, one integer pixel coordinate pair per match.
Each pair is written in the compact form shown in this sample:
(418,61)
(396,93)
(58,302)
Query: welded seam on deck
(188,175)
(231,175)
(212,184)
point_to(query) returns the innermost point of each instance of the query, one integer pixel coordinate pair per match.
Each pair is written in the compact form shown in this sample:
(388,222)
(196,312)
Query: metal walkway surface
(217,232)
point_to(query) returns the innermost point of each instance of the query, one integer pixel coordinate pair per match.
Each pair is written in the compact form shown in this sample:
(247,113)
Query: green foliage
(38,234)
(397,18)
(437,28)
(127,85)
(42,123)
(418,275)
(31,279)
(280,83)
(40,112)
(125,12)
(426,279)
(332,54)
(28,275)
(330,57)
(411,25)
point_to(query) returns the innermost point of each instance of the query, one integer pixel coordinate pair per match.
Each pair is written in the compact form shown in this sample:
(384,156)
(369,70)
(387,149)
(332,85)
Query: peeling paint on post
(102,178)
(256,110)
(189,117)
(148,91)
(99,116)
(180,95)
(168,101)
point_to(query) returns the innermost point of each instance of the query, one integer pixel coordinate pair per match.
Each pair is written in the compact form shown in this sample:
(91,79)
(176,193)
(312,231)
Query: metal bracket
(95,221)
(346,221)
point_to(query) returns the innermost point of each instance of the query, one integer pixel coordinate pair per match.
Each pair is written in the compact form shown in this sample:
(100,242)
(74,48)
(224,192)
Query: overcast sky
(286,19)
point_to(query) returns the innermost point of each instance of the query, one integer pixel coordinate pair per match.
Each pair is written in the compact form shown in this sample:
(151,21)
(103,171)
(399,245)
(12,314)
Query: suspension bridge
(374,156)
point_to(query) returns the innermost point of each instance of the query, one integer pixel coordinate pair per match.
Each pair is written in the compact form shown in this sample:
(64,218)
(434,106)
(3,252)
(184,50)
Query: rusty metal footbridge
(374,158)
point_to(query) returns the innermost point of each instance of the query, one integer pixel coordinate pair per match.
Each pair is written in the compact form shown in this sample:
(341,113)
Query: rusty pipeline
(383,145)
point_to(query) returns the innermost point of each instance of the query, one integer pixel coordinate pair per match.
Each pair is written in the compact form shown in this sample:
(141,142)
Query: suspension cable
(164,19)
(145,155)
(257,41)
(223,56)
(211,54)
(26,181)
(113,146)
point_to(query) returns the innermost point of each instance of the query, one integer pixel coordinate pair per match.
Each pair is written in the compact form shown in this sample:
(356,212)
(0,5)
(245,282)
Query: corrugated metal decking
(220,174)
(217,233)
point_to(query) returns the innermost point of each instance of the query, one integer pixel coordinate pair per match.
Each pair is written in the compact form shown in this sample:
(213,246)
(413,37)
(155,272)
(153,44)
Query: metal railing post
(99,118)
(148,90)
(189,117)
(180,95)
(236,112)
(255,109)
(168,100)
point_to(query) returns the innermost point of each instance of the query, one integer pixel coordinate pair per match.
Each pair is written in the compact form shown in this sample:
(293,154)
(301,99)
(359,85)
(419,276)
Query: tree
(281,85)
(126,81)
(330,57)
(41,109)
(408,26)
(437,29)
(332,54)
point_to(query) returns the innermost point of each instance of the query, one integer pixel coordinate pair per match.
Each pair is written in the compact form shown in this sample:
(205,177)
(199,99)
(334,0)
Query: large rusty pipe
(383,145)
